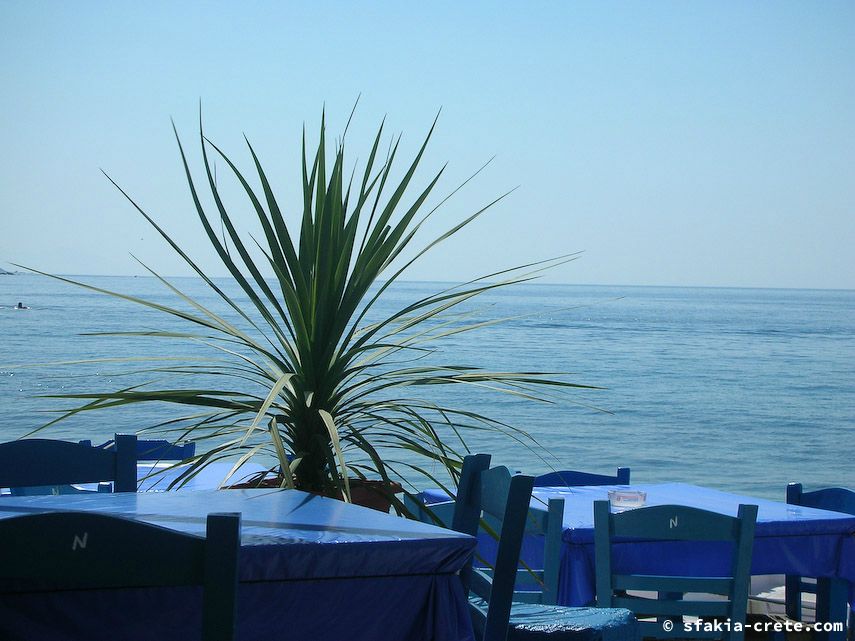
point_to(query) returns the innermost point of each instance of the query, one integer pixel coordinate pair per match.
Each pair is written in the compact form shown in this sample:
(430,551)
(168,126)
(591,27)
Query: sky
(672,143)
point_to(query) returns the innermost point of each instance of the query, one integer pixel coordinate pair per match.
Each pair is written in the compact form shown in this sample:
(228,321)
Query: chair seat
(536,622)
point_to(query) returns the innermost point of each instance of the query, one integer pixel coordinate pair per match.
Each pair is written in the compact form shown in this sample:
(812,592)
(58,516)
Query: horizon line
(452,282)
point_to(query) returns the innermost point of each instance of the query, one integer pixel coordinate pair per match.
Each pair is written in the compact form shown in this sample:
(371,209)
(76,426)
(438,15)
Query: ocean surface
(739,389)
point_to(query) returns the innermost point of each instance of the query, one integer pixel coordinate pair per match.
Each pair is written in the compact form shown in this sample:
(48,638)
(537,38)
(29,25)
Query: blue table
(788,540)
(310,568)
(155,476)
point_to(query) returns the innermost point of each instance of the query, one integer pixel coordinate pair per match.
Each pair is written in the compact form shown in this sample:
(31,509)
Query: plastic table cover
(788,539)
(310,568)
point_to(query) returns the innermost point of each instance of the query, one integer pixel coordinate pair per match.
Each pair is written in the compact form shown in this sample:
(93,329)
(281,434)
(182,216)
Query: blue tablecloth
(788,539)
(310,568)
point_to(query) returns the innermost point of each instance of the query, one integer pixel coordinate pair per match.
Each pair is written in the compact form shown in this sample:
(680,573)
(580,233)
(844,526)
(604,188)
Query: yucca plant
(305,375)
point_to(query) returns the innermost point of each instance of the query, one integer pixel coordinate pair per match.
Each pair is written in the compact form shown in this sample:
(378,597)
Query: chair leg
(793,598)
(851,622)
(831,607)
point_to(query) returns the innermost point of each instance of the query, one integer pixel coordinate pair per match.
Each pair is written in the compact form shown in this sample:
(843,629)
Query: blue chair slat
(154,449)
(467,503)
(675,523)
(569,478)
(162,450)
(836,499)
(122,553)
(30,463)
(504,500)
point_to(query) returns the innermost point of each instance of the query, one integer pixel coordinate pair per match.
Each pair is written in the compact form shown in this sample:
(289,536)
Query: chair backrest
(675,523)
(53,551)
(836,499)
(569,478)
(537,578)
(503,499)
(444,513)
(154,449)
(45,462)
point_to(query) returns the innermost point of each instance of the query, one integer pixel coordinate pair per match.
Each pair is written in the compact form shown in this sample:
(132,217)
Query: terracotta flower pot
(375,494)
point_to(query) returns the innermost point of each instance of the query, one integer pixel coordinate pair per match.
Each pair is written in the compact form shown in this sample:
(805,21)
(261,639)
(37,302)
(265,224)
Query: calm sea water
(739,389)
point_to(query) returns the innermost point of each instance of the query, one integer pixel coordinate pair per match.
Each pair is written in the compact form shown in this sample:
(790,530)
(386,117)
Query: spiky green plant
(311,380)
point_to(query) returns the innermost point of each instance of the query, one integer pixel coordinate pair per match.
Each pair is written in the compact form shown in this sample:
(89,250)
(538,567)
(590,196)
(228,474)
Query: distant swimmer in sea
(21,306)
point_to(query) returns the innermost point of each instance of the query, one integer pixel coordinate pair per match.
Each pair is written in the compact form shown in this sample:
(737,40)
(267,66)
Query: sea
(744,390)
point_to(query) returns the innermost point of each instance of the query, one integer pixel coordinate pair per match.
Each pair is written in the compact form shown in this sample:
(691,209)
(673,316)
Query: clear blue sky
(684,143)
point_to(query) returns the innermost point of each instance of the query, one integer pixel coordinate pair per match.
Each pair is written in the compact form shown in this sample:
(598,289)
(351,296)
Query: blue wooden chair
(53,551)
(503,500)
(45,466)
(154,449)
(537,581)
(837,499)
(675,523)
(569,478)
